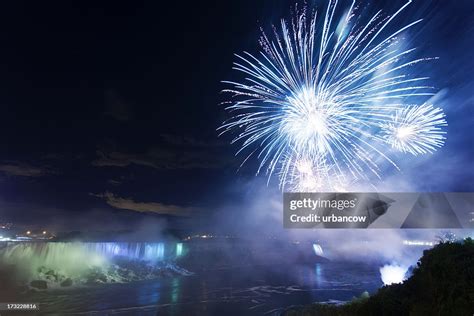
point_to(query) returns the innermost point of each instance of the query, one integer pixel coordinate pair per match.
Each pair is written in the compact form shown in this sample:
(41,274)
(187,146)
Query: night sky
(109,112)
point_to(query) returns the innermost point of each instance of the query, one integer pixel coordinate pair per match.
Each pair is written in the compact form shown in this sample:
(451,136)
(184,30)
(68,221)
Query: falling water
(393,273)
(57,252)
(140,251)
(318,250)
(77,259)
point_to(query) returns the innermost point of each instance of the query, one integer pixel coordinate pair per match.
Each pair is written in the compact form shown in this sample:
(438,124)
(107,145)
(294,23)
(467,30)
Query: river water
(219,283)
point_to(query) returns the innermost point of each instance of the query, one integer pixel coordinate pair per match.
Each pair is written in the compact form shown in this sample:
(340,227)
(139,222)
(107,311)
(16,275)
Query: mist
(259,218)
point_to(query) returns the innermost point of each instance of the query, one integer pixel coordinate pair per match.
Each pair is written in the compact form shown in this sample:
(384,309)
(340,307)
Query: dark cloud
(23,170)
(189,141)
(114,182)
(178,153)
(145,207)
(121,159)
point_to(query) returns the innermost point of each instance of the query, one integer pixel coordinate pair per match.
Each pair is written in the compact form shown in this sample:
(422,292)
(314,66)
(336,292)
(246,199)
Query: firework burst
(415,130)
(325,100)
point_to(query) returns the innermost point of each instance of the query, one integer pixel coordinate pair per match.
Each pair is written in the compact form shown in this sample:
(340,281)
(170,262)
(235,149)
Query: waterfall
(76,259)
(57,252)
(140,251)
(318,250)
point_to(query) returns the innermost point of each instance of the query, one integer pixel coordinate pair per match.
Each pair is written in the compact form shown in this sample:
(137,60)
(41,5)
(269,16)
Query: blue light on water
(319,275)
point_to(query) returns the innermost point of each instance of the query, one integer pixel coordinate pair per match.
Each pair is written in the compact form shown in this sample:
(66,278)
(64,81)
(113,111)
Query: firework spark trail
(333,97)
(415,129)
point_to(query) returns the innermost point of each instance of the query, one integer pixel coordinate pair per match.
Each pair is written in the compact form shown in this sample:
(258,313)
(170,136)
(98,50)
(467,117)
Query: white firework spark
(415,130)
(308,176)
(320,91)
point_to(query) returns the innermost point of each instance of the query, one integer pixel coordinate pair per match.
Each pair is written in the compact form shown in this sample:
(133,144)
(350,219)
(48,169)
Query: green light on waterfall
(179,249)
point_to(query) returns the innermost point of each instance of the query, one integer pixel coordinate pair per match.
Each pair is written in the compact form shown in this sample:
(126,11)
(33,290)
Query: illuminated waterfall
(137,250)
(179,249)
(318,250)
(77,260)
(59,253)
(393,273)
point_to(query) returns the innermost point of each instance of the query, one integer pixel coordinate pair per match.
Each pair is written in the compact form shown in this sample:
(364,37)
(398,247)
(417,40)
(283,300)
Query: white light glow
(392,274)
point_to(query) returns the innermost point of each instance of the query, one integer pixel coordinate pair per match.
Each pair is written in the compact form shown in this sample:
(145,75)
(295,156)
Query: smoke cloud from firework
(259,217)
(329,96)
